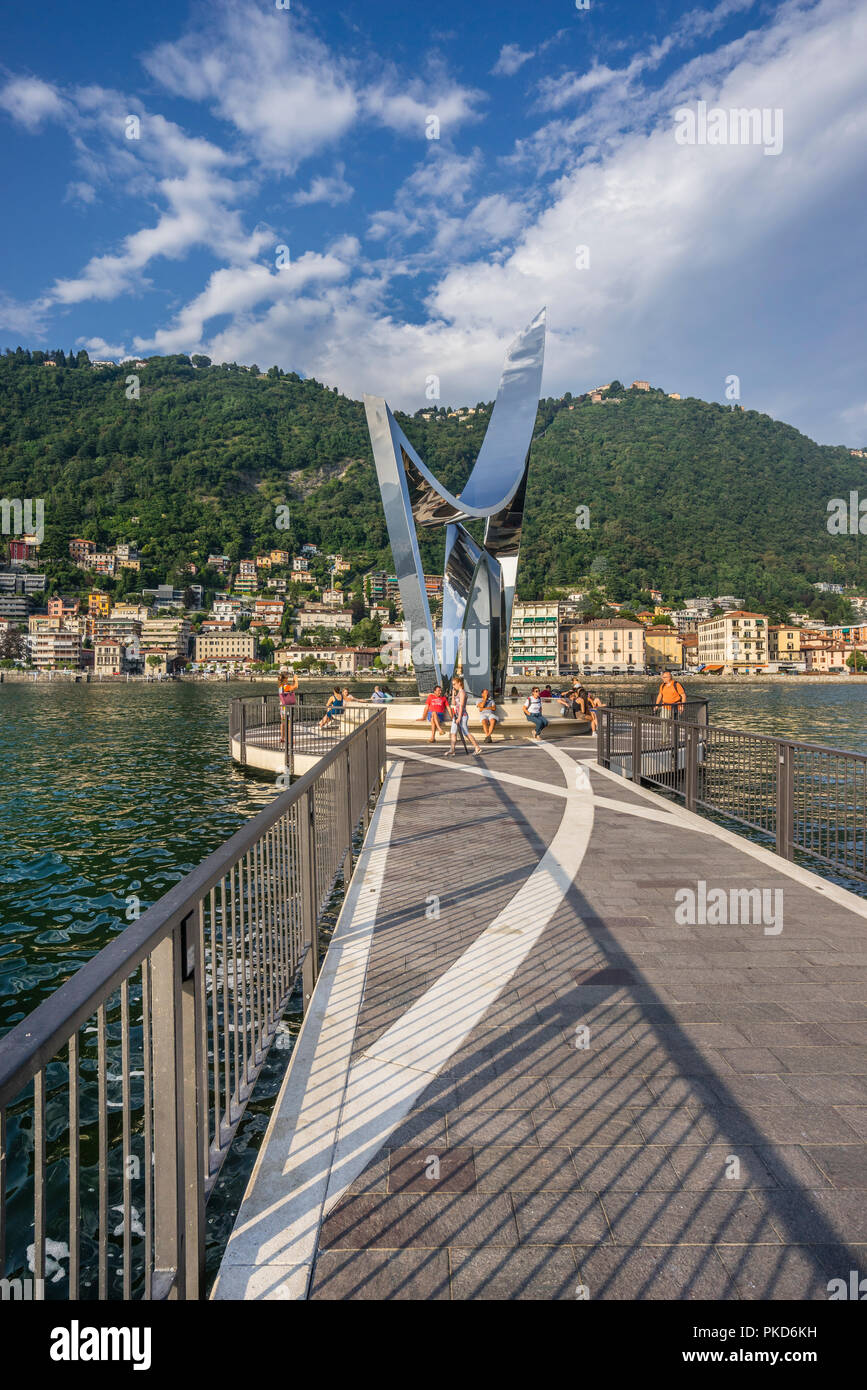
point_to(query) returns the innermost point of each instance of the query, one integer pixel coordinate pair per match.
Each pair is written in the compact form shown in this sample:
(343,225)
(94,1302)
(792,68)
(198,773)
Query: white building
(735,641)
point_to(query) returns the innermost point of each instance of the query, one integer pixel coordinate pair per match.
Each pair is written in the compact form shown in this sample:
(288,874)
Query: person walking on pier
(487,707)
(671,697)
(288,691)
(533,712)
(460,718)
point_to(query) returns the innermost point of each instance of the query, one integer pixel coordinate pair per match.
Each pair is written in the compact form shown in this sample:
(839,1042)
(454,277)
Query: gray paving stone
(688,1218)
(420,1169)
(537,1272)
(427,1221)
(524,1168)
(671,1272)
(382,1275)
(787,1272)
(560,1218)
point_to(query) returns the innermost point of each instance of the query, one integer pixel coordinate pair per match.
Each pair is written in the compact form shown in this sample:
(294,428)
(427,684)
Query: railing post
(637,739)
(690,789)
(309,913)
(193,1080)
(347,820)
(168,1121)
(289,755)
(242,732)
(785,800)
(601,729)
(367,777)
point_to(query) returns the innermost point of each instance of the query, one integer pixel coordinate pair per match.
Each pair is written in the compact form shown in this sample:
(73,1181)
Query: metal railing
(260,722)
(121,1093)
(807,798)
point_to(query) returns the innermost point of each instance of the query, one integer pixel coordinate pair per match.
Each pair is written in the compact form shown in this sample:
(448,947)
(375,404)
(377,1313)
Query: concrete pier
(561,1048)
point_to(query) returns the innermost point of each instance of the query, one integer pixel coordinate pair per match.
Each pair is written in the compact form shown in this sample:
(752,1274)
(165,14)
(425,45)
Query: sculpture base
(403,726)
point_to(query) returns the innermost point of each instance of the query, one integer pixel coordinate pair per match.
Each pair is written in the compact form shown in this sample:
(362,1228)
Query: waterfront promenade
(521,1076)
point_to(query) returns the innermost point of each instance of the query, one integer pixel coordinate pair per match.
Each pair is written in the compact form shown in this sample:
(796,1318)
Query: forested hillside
(690,496)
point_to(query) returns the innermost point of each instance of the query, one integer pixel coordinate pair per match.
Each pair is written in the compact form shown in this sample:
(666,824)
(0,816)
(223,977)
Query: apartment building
(228,608)
(320,615)
(533,640)
(347,661)
(246,580)
(14,608)
(226,646)
(396,646)
(60,608)
(108,657)
(735,642)
(825,657)
(51,647)
(300,564)
(81,550)
(167,638)
(270,609)
(663,648)
(135,612)
(784,642)
(98,604)
(603,645)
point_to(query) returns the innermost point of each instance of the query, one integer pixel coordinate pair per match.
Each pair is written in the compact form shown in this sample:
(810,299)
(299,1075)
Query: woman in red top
(435,707)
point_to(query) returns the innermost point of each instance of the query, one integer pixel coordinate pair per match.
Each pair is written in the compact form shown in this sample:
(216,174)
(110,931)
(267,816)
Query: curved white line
(385,1084)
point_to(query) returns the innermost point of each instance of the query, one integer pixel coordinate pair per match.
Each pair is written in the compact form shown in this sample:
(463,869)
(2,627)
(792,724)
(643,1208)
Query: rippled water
(106,792)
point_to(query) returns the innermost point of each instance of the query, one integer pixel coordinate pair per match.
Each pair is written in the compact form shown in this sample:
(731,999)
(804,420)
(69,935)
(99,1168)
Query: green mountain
(689,496)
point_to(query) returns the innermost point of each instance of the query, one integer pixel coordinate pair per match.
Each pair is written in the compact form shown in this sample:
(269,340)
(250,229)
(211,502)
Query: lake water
(118,790)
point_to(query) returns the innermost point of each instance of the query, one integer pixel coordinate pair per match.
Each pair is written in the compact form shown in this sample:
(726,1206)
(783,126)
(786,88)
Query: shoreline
(523,684)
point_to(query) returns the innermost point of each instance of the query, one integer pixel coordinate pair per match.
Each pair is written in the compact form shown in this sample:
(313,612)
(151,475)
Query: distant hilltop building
(828,588)
(858,453)
(641,385)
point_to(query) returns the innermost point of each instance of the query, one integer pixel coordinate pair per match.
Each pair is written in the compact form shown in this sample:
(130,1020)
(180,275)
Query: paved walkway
(530,1070)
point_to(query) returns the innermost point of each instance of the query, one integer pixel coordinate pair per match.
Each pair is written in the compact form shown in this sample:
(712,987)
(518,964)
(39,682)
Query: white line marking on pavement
(390,1076)
(270,1252)
(609,803)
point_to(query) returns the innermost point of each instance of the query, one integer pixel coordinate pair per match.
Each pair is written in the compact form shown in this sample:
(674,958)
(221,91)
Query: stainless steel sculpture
(479,580)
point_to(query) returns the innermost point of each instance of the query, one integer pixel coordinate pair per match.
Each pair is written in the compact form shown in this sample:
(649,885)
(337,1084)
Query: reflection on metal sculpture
(479,580)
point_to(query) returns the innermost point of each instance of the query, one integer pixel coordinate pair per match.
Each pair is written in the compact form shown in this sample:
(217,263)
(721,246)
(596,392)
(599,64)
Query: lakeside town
(322,613)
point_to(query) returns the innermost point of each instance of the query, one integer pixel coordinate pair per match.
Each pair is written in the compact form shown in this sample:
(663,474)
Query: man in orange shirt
(671,697)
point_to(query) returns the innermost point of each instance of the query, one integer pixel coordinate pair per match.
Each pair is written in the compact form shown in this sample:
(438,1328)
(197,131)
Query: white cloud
(510,60)
(30,101)
(98,347)
(79,191)
(331,189)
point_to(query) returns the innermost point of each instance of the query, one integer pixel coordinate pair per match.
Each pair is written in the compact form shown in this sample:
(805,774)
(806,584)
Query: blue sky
(410,257)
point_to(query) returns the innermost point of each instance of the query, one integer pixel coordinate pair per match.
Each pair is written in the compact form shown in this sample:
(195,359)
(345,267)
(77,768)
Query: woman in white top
(460,718)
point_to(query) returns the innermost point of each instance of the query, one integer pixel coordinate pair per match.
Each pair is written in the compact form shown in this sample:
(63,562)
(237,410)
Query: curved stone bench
(404,727)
